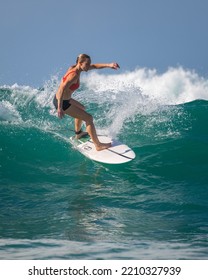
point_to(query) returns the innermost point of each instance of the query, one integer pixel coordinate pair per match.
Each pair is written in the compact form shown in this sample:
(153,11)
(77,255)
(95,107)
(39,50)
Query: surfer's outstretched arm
(112,65)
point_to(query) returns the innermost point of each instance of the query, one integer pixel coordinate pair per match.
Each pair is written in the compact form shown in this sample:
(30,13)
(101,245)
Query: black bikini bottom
(65,105)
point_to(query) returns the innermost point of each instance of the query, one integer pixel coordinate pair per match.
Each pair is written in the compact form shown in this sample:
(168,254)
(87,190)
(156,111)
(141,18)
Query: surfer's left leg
(78,122)
(78,129)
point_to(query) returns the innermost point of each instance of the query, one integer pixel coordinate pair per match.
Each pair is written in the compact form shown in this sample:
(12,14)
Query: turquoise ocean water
(57,204)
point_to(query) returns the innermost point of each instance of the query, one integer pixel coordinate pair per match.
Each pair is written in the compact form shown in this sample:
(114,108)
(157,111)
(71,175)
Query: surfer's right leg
(78,113)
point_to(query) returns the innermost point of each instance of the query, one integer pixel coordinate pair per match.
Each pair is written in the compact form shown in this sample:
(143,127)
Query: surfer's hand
(60,113)
(114,65)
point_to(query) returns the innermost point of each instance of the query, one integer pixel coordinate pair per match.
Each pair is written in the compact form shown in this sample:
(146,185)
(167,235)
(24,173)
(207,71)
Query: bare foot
(81,134)
(103,146)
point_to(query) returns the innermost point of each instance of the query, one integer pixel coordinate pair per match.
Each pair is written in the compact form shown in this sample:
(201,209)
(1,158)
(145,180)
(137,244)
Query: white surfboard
(118,153)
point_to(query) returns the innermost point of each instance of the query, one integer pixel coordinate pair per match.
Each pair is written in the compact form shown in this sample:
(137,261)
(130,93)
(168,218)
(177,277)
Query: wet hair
(82,57)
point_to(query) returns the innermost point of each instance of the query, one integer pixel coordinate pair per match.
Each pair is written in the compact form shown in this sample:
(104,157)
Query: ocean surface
(57,204)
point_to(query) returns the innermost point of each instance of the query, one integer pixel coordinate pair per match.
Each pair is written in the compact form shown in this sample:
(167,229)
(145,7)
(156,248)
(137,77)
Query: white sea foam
(8,112)
(143,91)
(175,86)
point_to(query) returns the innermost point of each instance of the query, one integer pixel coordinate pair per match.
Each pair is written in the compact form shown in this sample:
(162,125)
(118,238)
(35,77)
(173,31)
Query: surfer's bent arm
(113,65)
(59,97)
(63,86)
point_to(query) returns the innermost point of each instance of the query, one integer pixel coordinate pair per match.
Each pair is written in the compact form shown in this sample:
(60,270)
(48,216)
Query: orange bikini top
(73,86)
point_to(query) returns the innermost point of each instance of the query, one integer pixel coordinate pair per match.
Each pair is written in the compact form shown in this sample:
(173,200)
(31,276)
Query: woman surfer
(67,105)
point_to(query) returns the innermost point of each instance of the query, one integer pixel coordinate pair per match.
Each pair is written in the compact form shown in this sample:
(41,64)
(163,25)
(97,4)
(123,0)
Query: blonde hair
(82,57)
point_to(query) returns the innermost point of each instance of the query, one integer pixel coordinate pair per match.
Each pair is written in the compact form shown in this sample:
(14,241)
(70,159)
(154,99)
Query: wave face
(55,203)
